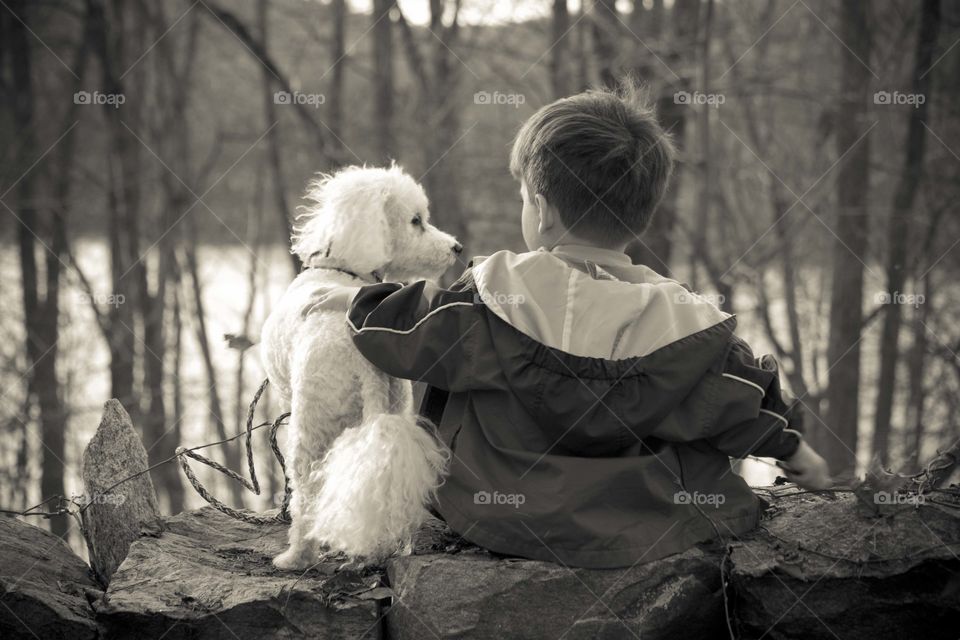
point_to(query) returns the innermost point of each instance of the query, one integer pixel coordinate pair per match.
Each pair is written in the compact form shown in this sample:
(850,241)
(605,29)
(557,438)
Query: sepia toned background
(154,153)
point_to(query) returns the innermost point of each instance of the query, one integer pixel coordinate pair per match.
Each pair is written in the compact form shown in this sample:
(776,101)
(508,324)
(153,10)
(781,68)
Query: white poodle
(362,468)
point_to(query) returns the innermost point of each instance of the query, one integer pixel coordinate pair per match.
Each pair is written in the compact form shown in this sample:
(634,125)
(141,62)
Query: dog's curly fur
(362,467)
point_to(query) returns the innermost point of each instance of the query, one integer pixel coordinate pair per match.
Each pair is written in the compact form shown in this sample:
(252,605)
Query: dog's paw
(353,565)
(292,559)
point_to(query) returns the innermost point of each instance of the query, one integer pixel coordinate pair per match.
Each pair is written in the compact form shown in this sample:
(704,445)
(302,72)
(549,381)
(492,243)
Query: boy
(591,405)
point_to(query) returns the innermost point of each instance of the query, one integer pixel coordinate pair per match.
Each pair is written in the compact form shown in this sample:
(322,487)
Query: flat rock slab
(44,587)
(209,576)
(834,565)
(473,594)
(829,565)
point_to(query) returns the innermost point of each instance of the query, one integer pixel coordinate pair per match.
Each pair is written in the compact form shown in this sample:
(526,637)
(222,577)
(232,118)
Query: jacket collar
(585,253)
(568,308)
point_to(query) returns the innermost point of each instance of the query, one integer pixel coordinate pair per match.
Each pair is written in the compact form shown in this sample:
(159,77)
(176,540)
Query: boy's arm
(418,331)
(751,414)
(755,417)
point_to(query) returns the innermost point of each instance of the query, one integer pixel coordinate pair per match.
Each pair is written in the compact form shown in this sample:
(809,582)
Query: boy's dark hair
(600,157)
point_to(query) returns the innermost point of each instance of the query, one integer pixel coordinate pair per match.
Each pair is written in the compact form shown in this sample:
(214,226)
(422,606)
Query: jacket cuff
(781,445)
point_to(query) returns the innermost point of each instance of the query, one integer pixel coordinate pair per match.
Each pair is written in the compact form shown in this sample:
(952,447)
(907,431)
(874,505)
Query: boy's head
(592,167)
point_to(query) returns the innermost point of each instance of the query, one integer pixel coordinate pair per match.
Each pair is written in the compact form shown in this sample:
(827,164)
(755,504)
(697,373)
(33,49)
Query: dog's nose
(458,248)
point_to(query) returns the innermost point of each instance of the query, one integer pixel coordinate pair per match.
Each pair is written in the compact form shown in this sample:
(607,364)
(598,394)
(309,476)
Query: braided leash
(252,484)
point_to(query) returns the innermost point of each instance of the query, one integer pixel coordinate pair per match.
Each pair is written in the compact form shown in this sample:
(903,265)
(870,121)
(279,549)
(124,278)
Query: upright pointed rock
(116,514)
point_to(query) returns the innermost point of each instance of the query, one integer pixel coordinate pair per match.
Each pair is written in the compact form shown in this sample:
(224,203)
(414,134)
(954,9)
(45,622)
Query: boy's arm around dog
(598,447)
(419,331)
(443,337)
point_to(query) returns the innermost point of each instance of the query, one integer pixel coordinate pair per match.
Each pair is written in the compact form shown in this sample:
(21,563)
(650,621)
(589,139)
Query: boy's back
(590,417)
(591,405)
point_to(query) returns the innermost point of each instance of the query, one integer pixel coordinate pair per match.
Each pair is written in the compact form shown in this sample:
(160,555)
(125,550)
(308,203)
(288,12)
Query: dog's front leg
(302,552)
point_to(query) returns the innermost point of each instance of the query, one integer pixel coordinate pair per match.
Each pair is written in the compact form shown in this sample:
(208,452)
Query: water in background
(84,368)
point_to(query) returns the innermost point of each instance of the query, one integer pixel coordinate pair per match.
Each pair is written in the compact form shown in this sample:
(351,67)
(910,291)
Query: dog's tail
(376,481)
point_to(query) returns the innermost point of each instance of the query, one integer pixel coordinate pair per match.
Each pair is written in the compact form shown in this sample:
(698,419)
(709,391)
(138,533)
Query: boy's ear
(546,212)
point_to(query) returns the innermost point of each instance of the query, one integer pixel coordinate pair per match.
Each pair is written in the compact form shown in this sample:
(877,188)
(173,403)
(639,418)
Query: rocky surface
(825,565)
(114,516)
(474,595)
(837,565)
(209,576)
(821,566)
(44,587)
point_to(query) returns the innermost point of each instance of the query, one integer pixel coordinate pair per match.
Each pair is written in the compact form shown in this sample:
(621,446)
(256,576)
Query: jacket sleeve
(418,331)
(750,414)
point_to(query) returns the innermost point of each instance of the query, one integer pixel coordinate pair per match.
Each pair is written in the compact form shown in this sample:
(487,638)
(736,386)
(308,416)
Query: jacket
(591,405)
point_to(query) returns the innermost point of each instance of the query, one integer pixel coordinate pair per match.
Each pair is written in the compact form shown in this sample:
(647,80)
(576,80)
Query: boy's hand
(330,299)
(807,468)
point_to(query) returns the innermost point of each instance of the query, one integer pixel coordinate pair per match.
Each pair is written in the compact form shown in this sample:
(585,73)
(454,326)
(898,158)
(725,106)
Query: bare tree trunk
(849,248)
(383,79)
(174,292)
(914,430)
(273,139)
(40,312)
(172,131)
(560,54)
(253,239)
(656,243)
(701,229)
(647,23)
(438,79)
(338,60)
(231,452)
(53,408)
(899,225)
(583,57)
(442,179)
(702,254)
(606,35)
(121,196)
(795,373)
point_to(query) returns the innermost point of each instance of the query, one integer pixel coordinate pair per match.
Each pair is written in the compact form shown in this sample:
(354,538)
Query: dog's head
(372,220)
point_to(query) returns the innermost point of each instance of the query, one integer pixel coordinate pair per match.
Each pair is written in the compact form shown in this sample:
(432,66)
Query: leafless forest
(154,154)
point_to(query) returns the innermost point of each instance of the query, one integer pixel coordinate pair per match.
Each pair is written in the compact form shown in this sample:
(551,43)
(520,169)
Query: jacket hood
(585,328)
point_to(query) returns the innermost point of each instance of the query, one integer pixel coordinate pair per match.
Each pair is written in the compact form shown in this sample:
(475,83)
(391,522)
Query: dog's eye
(417,220)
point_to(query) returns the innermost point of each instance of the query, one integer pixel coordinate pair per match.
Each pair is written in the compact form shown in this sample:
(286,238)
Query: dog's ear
(345,226)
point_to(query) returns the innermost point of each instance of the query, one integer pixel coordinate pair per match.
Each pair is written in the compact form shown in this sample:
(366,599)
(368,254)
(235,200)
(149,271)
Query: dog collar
(377,278)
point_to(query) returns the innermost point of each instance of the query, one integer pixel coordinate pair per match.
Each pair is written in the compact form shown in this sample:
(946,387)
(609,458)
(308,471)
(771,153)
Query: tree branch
(233,24)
